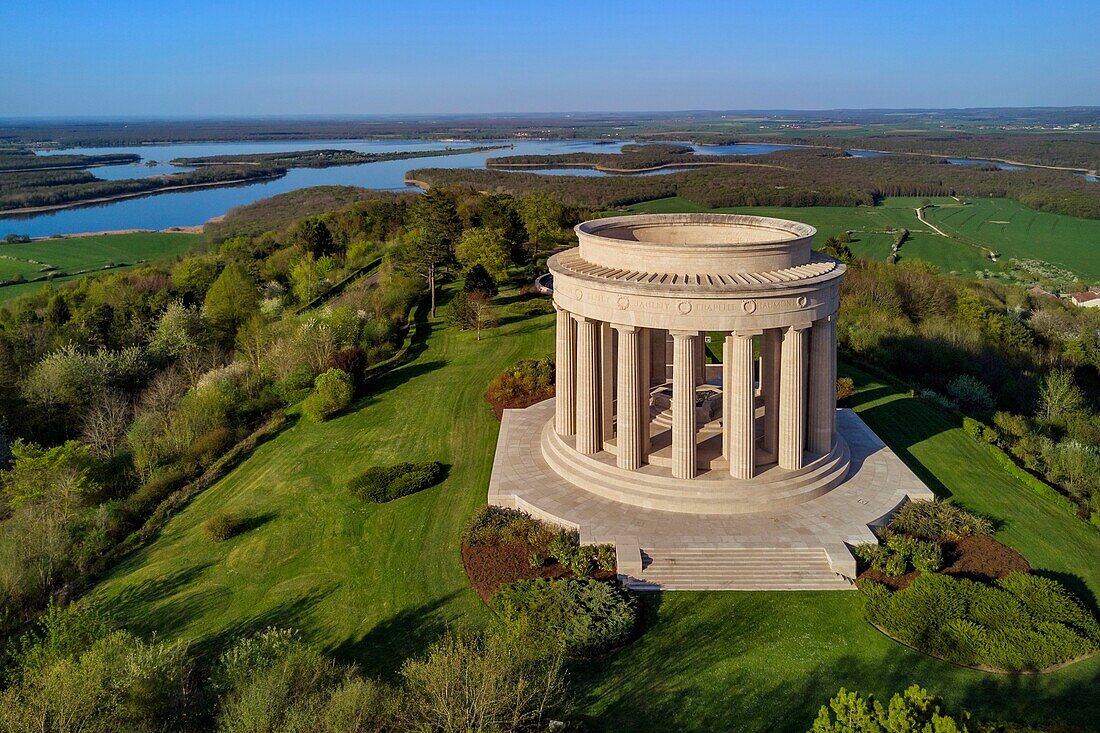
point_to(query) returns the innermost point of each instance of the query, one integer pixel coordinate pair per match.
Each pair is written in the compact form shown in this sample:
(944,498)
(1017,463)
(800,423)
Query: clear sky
(237,57)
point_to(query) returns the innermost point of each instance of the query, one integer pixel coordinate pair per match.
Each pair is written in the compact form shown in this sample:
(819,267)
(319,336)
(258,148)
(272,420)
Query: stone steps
(736,568)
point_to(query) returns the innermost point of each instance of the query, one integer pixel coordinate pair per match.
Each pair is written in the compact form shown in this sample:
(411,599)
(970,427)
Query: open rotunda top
(696,244)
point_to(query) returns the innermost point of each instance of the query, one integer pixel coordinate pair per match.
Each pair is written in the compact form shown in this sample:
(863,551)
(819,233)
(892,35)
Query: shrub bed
(379,484)
(530,381)
(501,546)
(585,616)
(1020,622)
(935,520)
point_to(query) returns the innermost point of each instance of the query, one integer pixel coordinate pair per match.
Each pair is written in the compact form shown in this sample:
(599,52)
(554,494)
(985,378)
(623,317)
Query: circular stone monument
(739,473)
(641,418)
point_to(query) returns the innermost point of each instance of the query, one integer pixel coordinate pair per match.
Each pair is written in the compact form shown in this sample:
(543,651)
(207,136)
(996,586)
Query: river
(194,207)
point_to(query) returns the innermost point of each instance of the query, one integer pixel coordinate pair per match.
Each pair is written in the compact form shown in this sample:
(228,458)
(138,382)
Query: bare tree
(105,424)
(480,313)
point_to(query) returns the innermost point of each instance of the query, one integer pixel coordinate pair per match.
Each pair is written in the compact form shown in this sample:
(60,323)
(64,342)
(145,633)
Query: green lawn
(81,253)
(377,583)
(1014,230)
(767,661)
(374,583)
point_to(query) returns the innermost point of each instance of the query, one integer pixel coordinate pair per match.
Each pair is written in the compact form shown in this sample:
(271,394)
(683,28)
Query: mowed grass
(768,661)
(71,254)
(868,224)
(378,583)
(374,583)
(1014,230)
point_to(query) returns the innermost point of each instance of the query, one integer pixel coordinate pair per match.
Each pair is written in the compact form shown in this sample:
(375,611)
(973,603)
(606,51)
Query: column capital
(805,326)
(747,333)
(677,334)
(625,328)
(582,319)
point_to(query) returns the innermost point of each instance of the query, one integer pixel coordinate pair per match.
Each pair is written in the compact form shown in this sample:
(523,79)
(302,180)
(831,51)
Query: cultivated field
(1014,230)
(74,254)
(378,583)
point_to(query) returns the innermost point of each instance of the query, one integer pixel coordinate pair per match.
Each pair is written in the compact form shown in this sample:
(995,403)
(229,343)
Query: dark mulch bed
(491,566)
(519,402)
(979,558)
(893,582)
(982,558)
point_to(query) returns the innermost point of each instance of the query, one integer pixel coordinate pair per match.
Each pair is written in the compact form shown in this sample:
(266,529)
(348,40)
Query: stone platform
(798,547)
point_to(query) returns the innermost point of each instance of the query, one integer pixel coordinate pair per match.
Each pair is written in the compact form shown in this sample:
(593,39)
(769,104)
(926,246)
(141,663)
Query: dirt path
(936,229)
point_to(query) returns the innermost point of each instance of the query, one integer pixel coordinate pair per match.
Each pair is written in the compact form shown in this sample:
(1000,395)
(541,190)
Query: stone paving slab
(877,484)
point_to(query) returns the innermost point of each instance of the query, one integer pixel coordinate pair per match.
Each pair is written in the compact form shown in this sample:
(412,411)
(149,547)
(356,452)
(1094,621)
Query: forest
(321,158)
(806,177)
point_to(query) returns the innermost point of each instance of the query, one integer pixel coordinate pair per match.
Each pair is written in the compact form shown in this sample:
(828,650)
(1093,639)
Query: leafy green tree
(914,711)
(1060,399)
(231,300)
(498,211)
(430,244)
(179,330)
(542,215)
(478,280)
(486,247)
(194,275)
(332,392)
(313,236)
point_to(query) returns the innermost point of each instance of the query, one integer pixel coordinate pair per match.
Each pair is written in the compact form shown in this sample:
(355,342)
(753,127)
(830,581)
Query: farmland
(73,257)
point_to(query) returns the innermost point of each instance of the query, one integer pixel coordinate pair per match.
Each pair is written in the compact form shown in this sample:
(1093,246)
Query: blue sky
(163,58)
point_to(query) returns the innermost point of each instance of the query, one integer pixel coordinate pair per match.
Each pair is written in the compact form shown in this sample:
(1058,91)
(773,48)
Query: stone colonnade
(604,374)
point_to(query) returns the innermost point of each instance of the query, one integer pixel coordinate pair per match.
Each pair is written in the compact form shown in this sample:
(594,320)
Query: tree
(485,247)
(436,229)
(914,711)
(498,211)
(313,236)
(231,300)
(332,392)
(478,280)
(472,311)
(179,329)
(105,424)
(1060,399)
(541,215)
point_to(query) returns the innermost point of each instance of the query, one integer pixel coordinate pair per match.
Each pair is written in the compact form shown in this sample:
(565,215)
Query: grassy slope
(767,661)
(81,253)
(1015,230)
(376,583)
(869,225)
(371,582)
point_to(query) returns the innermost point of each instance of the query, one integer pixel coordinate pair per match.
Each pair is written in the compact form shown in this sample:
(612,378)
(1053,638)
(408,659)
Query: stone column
(565,379)
(684,355)
(607,382)
(770,347)
(792,398)
(822,407)
(588,386)
(739,405)
(645,366)
(700,359)
(658,363)
(629,399)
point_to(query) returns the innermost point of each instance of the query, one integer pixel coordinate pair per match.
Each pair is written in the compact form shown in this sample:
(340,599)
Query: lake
(189,208)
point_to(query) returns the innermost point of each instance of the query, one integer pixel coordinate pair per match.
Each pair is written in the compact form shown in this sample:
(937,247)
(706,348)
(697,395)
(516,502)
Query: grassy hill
(370,582)
(377,583)
(1004,226)
(93,253)
(1015,230)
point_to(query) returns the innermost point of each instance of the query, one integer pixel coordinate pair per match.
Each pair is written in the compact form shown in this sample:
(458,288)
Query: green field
(71,254)
(1004,226)
(868,224)
(377,583)
(1014,230)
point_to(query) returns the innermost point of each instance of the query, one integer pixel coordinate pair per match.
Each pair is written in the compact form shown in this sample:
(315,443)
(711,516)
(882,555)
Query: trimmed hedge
(379,484)
(1023,622)
(586,617)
